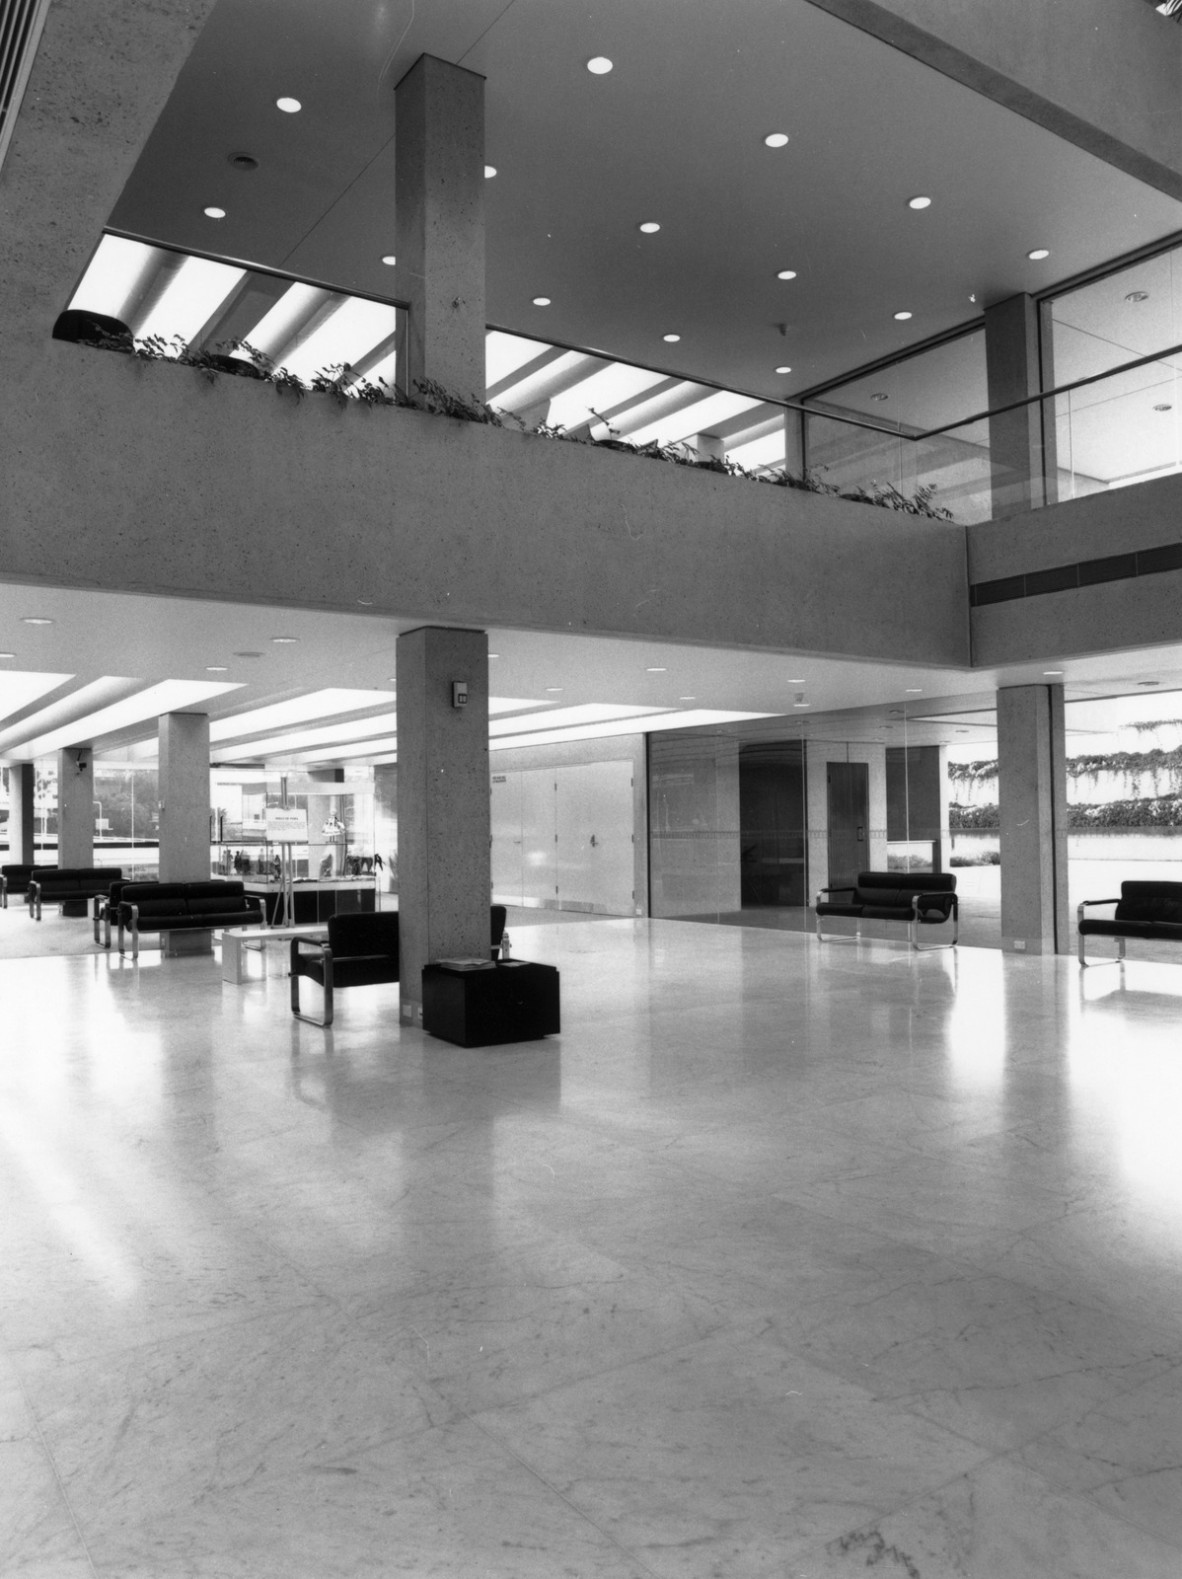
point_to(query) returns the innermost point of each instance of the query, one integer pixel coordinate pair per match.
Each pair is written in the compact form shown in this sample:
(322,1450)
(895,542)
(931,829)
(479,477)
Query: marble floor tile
(725,1459)
(752,1273)
(1124,1455)
(1000,1519)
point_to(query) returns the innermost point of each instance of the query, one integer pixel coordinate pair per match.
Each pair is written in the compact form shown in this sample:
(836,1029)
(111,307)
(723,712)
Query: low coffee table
(238,941)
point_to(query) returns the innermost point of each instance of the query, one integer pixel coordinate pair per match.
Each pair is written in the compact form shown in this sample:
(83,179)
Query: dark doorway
(772,824)
(849,816)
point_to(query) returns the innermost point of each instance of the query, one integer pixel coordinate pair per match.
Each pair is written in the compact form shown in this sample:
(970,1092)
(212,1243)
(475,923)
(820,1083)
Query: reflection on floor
(783,1260)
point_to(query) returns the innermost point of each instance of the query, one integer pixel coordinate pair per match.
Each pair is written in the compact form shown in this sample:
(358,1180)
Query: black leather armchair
(362,950)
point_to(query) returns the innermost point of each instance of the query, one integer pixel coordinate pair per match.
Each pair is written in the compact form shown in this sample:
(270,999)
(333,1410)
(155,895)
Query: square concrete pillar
(444,823)
(22,819)
(1032,799)
(794,443)
(439,225)
(1021,445)
(184,797)
(75,806)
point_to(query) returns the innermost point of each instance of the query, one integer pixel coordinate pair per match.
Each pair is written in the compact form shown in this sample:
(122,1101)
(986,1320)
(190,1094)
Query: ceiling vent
(21,22)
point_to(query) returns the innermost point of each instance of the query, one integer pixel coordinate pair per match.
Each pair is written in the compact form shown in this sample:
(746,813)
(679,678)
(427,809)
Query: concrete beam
(1106,77)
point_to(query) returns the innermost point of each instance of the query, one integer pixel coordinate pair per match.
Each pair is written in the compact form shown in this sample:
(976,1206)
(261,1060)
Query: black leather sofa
(916,899)
(184,907)
(72,887)
(1148,910)
(15,879)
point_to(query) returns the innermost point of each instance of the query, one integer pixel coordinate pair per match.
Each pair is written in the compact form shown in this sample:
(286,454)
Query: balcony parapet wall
(147,477)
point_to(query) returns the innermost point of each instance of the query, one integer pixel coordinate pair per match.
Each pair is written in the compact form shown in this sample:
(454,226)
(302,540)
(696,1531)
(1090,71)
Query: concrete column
(439,224)
(444,872)
(385,819)
(1032,797)
(75,806)
(184,797)
(22,819)
(1017,447)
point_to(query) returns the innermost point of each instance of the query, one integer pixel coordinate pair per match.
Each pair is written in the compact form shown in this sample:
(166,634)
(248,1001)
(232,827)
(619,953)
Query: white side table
(238,941)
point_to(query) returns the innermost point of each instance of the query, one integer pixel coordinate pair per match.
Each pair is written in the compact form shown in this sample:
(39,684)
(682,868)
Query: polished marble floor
(788,1260)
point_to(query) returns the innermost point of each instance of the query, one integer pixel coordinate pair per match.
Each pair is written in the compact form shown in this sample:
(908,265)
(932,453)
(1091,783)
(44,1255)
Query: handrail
(688,378)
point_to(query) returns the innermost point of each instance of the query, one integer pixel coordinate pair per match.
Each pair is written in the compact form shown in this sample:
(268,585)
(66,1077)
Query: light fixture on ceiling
(1039,254)
(599,65)
(215,668)
(1164,405)
(284,641)
(35,619)
(919,202)
(902,317)
(541,301)
(880,395)
(554,688)
(776,140)
(288,106)
(654,668)
(671,339)
(1053,671)
(1137,296)
(649,227)
(214,213)
(680,698)
(786,274)
(915,690)
(489,171)
(389,259)
(783,370)
(248,655)
(243,162)
(494,655)
(7,655)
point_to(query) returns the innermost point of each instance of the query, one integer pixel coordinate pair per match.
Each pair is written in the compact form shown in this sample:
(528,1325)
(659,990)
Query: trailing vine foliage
(1160,811)
(239,358)
(1127,764)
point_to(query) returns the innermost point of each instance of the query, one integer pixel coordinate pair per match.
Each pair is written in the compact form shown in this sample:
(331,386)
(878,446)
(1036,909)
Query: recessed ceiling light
(1137,296)
(7,655)
(915,690)
(541,301)
(776,139)
(489,171)
(881,395)
(215,668)
(244,162)
(919,202)
(802,704)
(654,668)
(248,655)
(650,227)
(288,106)
(786,274)
(389,259)
(366,603)
(902,317)
(554,688)
(284,641)
(1148,682)
(494,655)
(680,698)
(1164,406)
(214,213)
(796,682)
(671,339)
(1039,254)
(36,619)
(783,370)
(393,679)
(599,65)
(1052,671)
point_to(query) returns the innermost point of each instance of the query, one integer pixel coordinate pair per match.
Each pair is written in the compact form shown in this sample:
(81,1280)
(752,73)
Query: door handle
(861,833)
(594,841)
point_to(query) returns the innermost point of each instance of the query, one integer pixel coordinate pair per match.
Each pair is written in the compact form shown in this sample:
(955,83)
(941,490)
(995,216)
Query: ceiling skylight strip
(168,696)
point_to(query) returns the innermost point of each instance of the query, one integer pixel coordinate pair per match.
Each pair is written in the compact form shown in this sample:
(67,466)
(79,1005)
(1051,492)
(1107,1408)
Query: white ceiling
(674,133)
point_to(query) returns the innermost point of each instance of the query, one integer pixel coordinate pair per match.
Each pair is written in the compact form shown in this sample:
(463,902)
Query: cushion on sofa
(1146,901)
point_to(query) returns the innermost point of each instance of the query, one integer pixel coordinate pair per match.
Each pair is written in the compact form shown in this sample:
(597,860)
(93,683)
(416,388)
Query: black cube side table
(514,1001)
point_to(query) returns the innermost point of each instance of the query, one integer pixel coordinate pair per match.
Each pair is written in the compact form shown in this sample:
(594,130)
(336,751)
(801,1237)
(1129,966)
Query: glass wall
(1128,428)
(341,822)
(924,391)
